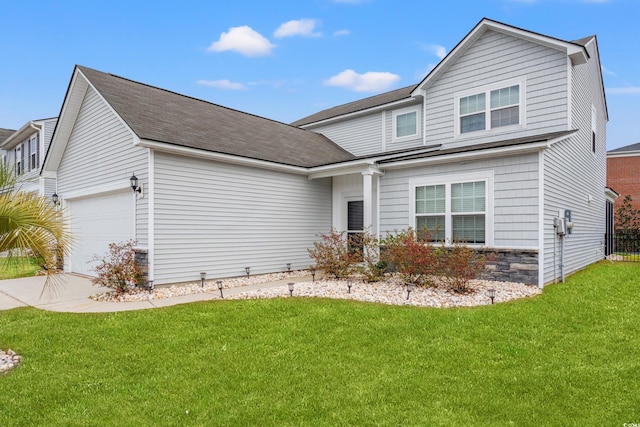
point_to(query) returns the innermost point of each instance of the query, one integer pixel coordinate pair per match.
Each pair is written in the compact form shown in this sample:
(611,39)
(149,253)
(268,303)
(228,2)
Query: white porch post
(367,200)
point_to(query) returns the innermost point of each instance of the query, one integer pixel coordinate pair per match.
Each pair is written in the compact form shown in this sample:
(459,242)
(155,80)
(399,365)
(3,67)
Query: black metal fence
(623,246)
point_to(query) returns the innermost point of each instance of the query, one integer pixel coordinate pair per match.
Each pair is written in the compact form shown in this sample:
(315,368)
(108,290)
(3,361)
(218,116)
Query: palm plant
(30,224)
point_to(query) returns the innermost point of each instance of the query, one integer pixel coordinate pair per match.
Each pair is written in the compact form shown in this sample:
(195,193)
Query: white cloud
(222,84)
(609,72)
(436,49)
(244,40)
(340,33)
(300,27)
(627,90)
(371,81)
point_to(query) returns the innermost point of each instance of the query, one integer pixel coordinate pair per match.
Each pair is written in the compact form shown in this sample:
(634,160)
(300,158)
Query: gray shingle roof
(626,148)
(362,104)
(5,133)
(485,146)
(160,115)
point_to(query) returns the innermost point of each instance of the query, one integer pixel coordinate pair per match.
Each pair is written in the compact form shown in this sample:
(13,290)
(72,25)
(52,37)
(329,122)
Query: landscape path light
(219,282)
(313,273)
(492,294)
(150,285)
(290,285)
(410,288)
(247,270)
(349,285)
(203,275)
(289,267)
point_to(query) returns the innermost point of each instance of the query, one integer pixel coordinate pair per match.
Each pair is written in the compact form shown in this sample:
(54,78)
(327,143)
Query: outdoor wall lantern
(410,288)
(219,282)
(313,273)
(134,184)
(290,284)
(55,199)
(492,294)
(247,269)
(349,285)
(203,276)
(289,267)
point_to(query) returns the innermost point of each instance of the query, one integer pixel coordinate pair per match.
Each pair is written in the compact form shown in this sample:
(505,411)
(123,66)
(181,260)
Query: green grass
(19,267)
(568,357)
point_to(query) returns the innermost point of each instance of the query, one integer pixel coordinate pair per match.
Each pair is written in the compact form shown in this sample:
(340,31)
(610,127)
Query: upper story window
(18,154)
(406,124)
(491,107)
(33,152)
(594,117)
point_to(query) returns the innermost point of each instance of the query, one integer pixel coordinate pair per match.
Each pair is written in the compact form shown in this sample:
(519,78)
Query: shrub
(333,254)
(460,264)
(413,257)
(117,270)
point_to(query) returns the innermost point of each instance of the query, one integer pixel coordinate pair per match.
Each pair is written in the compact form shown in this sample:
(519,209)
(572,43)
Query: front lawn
(19,267)
(570,356)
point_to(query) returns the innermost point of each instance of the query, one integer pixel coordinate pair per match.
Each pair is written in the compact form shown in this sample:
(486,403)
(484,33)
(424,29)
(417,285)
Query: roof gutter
(19,134)
(221,157)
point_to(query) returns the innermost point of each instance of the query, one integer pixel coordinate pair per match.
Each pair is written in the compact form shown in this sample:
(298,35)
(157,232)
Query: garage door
(95,222)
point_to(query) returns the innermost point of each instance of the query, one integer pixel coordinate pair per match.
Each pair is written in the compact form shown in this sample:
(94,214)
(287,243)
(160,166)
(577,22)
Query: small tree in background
(118,269)
(627,226)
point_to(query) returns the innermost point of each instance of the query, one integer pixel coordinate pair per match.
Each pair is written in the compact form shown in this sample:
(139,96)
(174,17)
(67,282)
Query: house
(623,173)
(502,145)
(23,151)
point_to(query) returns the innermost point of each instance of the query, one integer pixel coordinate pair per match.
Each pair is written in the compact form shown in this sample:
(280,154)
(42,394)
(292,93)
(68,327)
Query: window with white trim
(594,117)
(491,107)
(455,210)
(406,124)
(18,154)
(33,152)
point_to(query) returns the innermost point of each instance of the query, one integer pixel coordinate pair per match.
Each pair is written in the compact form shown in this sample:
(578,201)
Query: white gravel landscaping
(390,291)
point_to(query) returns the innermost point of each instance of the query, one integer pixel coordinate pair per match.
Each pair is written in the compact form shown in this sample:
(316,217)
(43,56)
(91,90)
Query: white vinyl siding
(515,196)
(495,58)
(360,136)
(573,172)
(377,132)
(220,218)
(100,152)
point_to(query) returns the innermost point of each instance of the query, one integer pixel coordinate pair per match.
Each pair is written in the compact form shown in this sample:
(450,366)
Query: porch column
(367,200)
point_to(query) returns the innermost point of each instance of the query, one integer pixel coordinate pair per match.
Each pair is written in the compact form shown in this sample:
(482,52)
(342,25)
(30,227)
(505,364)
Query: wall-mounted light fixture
(55,199)
(135,186)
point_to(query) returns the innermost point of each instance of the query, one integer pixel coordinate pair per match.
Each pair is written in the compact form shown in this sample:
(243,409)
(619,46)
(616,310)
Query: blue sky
(285,59)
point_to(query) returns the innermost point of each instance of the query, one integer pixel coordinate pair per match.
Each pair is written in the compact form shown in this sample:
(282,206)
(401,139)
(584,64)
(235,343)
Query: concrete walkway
(70,293)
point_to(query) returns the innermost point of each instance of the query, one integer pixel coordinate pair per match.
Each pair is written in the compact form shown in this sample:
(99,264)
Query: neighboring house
(505,136)
(24,150)
(4,134)
(623,173)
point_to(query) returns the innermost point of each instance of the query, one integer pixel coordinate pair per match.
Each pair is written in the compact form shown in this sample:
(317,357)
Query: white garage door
(95,222)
